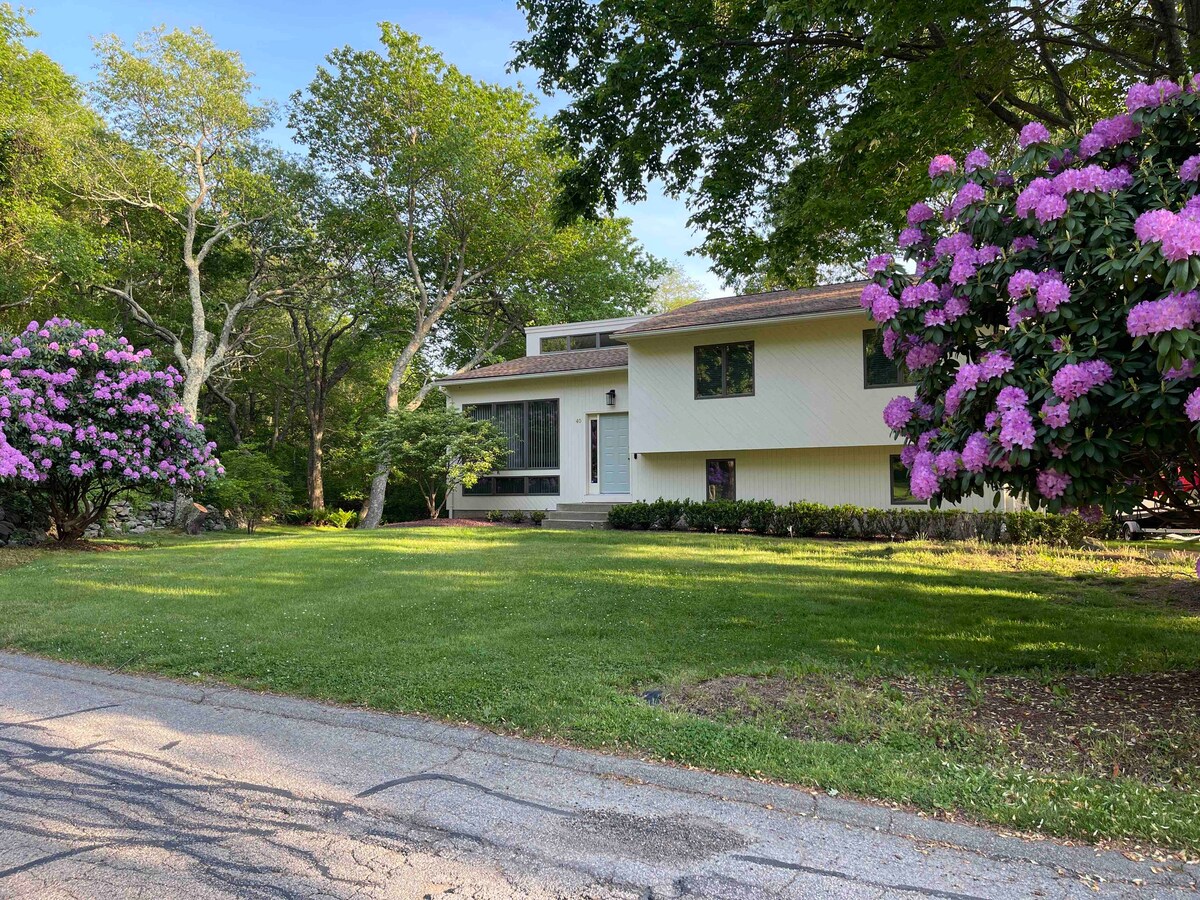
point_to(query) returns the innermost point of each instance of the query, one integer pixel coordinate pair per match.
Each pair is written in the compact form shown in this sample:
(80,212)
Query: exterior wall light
(610,399)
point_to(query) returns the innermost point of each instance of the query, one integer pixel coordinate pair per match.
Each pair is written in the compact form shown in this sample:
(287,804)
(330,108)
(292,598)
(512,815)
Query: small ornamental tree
(252,489)
(438,450)
(85,417)
(1051,324)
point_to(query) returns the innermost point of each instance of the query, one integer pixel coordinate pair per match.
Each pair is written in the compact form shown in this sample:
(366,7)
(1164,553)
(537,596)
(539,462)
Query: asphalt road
(115,786)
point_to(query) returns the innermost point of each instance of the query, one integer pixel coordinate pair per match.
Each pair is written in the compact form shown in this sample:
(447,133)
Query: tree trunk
(316,457)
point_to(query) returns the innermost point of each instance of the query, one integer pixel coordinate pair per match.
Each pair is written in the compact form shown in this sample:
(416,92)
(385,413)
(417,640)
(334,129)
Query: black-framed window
(587,340)
(720,479)
(514,486)
(878,370)
(529,426)
(898,481)
(724,370)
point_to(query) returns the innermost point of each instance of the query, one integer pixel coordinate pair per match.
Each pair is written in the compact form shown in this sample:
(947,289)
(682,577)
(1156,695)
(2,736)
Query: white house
(765,396)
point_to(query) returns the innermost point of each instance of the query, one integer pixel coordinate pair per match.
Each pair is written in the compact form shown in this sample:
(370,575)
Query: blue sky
(282,42)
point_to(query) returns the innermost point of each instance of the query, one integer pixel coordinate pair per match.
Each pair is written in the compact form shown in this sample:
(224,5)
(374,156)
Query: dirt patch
(88,546)
(1140,726)
(1181,593)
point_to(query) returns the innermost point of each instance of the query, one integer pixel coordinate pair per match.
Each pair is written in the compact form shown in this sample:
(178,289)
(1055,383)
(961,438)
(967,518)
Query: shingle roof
(549,363)
(750,307)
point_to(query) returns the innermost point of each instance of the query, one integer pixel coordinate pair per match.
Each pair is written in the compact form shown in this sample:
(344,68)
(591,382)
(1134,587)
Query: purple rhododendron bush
(85,417)
(1050,327)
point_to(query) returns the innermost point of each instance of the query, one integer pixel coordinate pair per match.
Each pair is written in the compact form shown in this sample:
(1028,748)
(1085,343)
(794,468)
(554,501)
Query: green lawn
(556,634)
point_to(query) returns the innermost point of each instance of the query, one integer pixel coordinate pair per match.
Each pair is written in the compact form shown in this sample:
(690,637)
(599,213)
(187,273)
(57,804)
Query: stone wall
(125,517)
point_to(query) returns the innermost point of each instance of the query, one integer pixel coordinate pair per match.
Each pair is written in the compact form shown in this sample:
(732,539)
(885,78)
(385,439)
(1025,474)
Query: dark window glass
(709,381)
(595,451)
(739,369)
(607,340)
(878,370)
(583,341)
(529,426)
(554,344)
(482,487)
(509,484)
(510,420)
(901,492)
(725,370)
(543,484)
(543,435)
(720,483)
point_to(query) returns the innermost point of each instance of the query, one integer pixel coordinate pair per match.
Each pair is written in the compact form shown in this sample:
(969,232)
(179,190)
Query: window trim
(732,474)
(868,333)
(724,395)
(894,461)
(526,441)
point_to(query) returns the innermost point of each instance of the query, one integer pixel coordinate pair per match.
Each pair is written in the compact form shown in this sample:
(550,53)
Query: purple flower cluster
(1148,96)
(1052,484)
(976,159)
(1076,379)
(1190,170)
(1046,198)
(1191,406)
(1033,133)
(942,164)
(898,412)
(1171,312)
(918,213)
(1056,415)
(1108,133)
(78,404)
(968,195)
(880,263)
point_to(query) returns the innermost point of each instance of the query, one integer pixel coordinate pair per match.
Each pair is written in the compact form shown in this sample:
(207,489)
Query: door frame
(592,451)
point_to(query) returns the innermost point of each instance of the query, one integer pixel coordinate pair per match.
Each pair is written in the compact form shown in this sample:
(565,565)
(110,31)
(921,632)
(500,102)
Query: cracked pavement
(119,786)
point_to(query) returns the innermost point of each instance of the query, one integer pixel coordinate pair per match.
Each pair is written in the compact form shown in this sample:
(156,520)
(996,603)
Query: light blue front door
(614,454)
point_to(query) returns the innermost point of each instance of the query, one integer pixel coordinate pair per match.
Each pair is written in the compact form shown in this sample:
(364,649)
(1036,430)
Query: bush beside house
(847,521)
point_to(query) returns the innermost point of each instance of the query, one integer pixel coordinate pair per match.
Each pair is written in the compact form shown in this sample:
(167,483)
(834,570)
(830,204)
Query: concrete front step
(600,515)
(585,507)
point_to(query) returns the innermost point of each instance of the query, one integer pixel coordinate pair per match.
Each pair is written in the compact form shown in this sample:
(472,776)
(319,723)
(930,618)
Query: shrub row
(848,521)
(517,516)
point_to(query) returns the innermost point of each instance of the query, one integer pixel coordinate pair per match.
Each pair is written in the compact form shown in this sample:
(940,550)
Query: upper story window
(725,370)
(585,341)
(529,426)
(878,370)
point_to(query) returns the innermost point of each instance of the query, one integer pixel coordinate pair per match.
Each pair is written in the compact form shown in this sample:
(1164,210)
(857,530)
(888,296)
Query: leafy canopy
(792,126)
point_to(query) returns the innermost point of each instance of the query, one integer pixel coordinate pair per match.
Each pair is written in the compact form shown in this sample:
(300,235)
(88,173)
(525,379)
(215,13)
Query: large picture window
(725,370)
(878,370)
(529,426)
(901,491)
(720,482)
(514,486)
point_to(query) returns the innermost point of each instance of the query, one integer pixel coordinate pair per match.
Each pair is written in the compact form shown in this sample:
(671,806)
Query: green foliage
(436,449)
(252,489)
(793,127)
(516,516)
(805,519)
(495,515)
(537,516)
(327,516)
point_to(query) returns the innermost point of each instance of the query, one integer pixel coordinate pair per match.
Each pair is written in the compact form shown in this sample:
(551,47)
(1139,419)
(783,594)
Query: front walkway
(115,786)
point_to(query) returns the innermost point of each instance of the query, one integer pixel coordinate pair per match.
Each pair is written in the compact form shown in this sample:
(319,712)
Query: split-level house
(773,396)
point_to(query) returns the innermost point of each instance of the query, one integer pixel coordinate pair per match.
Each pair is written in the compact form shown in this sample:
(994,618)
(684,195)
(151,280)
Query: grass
(556,635)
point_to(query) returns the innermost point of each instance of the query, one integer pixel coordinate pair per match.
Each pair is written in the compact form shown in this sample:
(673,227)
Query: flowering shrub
(84,416)
(1049,315)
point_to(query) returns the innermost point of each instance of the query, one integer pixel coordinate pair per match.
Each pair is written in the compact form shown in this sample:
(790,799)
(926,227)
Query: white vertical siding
(859,475)
(808,390)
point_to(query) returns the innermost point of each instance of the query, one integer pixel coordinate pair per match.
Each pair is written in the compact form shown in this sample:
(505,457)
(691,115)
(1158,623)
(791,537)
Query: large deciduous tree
(183,157)
(1052,325)
(793,127)
(452,184)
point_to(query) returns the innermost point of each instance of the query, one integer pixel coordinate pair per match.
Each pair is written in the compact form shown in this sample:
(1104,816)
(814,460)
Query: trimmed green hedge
(847,521)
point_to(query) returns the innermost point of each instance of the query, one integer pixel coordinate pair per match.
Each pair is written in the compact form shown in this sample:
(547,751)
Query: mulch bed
(1144,726)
